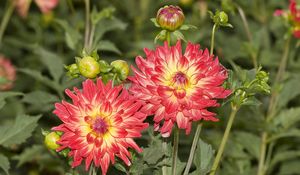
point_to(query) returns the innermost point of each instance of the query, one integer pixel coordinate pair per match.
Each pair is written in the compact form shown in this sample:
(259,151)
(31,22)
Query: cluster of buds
(248,84)
(171,20)
(91,66)
(292,16)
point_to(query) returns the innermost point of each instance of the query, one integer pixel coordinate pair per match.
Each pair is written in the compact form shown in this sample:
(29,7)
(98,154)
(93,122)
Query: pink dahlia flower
(178,87)
(99,124)
(45,6)
(295,12)
(7,73)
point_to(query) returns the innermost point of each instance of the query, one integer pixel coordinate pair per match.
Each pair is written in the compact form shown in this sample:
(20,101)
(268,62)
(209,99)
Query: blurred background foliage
(40,45)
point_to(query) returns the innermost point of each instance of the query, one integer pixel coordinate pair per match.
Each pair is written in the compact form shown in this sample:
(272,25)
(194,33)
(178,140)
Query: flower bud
(223,17)
(7,74)
(73,70)
(88,67)
(51,139)
(121,68)
(170,17)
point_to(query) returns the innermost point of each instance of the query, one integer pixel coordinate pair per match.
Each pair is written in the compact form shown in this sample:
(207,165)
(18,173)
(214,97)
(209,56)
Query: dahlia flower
(99,124)
(44,5)
(178,88)
(7,73)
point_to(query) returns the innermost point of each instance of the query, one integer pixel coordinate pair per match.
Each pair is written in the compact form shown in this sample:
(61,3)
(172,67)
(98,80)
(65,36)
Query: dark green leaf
(4,163)
(72,36)
(106,45)
(29,154)
(39,98)
(19,131)
(203,157)
(249,141)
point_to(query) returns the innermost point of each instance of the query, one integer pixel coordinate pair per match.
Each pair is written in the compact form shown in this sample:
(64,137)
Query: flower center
(100,126)
(180,79)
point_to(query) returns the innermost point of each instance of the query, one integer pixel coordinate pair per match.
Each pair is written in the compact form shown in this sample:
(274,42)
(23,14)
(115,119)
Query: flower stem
(5,19)
(168,38)
(272,107)
(215,165)
(193,148)
(212,41)
(92,170)
(164,147)
(249,36)
(87,24)
(175,150)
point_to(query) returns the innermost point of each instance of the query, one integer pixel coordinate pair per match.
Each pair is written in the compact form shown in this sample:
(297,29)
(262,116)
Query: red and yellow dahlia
(178,88)
(99,124)
(7,73)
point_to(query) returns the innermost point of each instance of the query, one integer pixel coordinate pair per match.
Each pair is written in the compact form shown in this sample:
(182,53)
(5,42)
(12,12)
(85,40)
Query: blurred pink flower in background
(7,73)
(45,6)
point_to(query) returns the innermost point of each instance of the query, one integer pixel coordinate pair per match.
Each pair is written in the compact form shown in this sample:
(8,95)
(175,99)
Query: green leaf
(52,61)
(4,163)
(152,154)
(106,25)
(289,133)
(203,157)
(19,131)
(29,154)
(289,168)
(179,167)
(286,93)
(283,156)
(39,98)
(120,167)
(179,35)
(160,36)
(155,22)
(4,95)
(72,36)
(104,66)
(38,76)
(286,119)
(249,141)
(106,45)
(104,13)
(187,27)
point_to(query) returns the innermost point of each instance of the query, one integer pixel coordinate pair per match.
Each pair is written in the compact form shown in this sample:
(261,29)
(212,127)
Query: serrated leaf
(249,141)
(152,154)
(52,61)
(289,133)
(4,163)
(204,155)
(72,36)
(19,131)
(106,45)
(289,168)
(179,167)
(39,98)
(29,154)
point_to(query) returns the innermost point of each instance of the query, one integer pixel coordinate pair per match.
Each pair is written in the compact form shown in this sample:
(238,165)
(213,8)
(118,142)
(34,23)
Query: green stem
(92,170)
(215,165)
(272,107)
(212,41)
(71,6)
(5,19)
(87,24)
(175,150)
(193,148)
(164,147)
(168,38)
(246,26)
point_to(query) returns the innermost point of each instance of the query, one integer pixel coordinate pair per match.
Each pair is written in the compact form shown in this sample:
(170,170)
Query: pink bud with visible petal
(7,73)
(46,5)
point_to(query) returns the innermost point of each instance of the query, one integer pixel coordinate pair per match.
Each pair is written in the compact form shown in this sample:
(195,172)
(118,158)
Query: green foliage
(4,163)
(19,131)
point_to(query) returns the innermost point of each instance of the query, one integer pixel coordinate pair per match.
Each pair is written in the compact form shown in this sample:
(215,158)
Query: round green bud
(89,67)
(223,17)
(121,67)
(170,17)
(51,139)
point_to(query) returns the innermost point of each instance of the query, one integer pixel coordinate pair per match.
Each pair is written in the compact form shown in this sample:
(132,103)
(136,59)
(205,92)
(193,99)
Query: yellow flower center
(180,83)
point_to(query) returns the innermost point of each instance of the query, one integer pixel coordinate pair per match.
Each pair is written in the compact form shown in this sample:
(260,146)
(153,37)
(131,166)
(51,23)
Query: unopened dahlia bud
(7,74)
(121,68)
(73,70)
(88,67)
(170,17)
(51,139)
(223,17)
